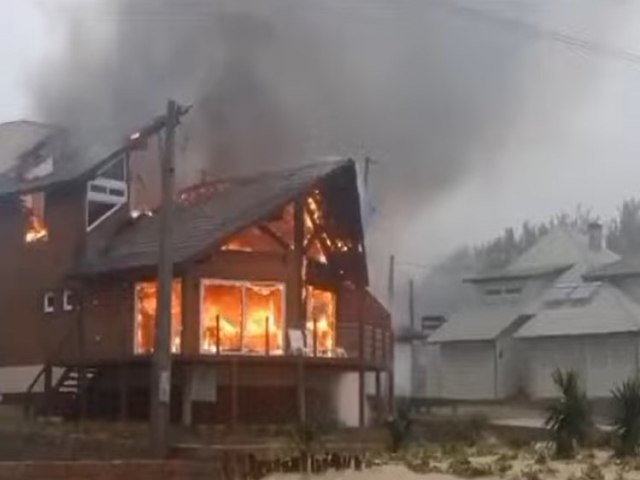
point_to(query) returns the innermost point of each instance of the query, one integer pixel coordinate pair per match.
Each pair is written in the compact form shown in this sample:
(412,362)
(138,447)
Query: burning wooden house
(271,318)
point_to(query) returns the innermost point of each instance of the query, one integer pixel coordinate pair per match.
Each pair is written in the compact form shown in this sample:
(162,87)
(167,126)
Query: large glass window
(242,317)
(146,301)
(321,321)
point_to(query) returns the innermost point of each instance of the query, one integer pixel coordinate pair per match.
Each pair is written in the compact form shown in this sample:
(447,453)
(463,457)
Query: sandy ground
(588,465)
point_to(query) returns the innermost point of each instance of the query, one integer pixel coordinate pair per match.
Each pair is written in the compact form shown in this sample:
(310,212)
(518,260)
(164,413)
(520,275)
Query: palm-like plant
(569,417)
(626,420)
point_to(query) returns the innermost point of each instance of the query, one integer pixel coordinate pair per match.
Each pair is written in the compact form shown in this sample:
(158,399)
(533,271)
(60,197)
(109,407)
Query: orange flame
(36,230)
(249,321)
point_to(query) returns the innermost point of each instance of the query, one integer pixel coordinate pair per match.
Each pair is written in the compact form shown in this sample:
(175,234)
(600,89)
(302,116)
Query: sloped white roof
(562,246)
(562,252)
(609,311)
(477,323)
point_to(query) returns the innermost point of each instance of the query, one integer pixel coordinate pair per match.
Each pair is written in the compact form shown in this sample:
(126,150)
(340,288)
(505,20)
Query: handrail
(48,364)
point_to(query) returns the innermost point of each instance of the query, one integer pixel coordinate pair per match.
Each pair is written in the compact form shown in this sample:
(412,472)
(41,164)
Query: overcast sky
(573,136)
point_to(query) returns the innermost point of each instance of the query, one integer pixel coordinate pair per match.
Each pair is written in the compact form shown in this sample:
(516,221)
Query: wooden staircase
(62,398)
(70,382)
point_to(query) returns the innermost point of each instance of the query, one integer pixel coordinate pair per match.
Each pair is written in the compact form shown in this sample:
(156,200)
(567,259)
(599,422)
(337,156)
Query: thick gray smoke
(419,86)
(413,84)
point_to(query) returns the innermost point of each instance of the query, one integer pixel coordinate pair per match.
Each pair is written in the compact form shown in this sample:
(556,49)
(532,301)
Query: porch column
(361,397)
(361,350)
(187,396)
(48,388)
(301,388)
(123,394)
(295,308)
(378,395)
(390,379)
(234,392)
(190,338)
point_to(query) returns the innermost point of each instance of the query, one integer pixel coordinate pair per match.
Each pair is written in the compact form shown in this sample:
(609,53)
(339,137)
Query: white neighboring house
(591,328)
(479,357)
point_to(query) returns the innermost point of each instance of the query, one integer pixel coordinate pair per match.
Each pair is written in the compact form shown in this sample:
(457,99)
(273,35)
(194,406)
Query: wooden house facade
(271,318)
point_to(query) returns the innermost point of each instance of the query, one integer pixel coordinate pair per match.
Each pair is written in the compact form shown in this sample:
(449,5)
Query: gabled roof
(19,138)
(199,227)
(557,251)
(482,322)
(609,311)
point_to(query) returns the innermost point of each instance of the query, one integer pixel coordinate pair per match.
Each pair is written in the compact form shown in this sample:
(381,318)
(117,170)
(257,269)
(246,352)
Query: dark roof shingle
(199,226)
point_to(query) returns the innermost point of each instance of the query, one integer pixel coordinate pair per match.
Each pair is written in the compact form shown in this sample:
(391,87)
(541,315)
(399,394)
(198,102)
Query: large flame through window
(145,316)
(35,230)
(242,317)
(321,321)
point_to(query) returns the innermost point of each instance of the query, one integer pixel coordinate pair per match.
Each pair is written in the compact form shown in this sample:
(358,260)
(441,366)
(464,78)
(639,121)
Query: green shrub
(626,420)
(399,426)
(592,472)
(461,466)
(569,417)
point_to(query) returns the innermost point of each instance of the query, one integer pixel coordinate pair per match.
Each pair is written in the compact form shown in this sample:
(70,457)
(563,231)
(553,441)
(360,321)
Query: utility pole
(412,313)
(161,364)
(391,280)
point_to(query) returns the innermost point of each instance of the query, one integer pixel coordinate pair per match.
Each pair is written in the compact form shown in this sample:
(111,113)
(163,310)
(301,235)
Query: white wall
(347,400)
(602,361)
(402,366)
(467,370)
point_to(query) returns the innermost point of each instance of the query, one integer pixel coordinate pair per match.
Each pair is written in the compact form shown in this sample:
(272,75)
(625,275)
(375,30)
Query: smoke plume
(415,85)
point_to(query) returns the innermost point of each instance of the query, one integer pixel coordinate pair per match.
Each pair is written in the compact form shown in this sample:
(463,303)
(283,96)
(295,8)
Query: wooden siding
(27,334)
(108,308)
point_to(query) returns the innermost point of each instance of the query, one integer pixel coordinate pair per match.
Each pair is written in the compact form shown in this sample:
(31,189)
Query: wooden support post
(390,379)
(361,398)
(234,393)
(361,348)
(123,385)
(378,394)
(315,336)
(298,253)
(266,335)
(83,391)
(48,389)
(218,334)
(301,386)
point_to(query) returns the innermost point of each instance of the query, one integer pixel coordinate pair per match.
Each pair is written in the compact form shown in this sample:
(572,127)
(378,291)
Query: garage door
(467,370)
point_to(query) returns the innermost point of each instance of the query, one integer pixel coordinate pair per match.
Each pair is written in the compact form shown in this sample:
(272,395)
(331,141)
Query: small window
(68,300)
(493,292)
(49,302)
(106,192)
(513,291)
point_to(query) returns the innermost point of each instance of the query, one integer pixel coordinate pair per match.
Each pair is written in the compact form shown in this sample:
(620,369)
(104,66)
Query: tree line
(622,235)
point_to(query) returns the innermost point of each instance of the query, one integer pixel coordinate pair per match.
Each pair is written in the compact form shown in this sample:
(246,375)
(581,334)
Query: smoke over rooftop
(413,84)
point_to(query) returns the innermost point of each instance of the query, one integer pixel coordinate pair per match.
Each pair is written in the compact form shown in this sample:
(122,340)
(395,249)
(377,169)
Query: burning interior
(146,300)
(321,321)
(33,205)
(242,317)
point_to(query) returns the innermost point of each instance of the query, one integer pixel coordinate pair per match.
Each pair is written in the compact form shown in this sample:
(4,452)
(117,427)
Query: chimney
(594,230)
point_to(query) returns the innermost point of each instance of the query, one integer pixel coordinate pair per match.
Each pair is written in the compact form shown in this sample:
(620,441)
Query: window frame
(67,305)
(242,284)
(106,185)
(46,296)
(136,310)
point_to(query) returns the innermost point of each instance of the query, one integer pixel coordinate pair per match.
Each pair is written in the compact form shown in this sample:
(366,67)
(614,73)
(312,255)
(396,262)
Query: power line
(197,10)
(602,50)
